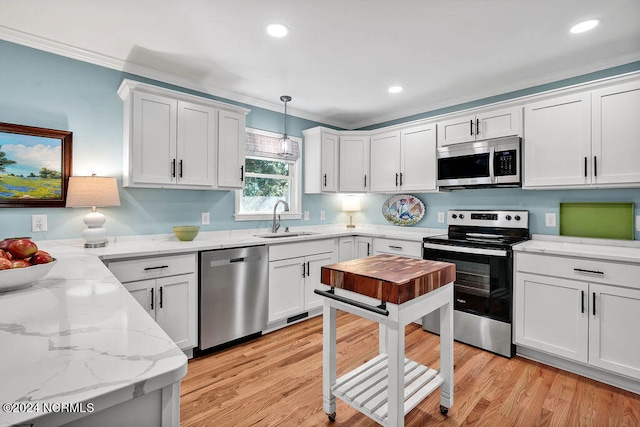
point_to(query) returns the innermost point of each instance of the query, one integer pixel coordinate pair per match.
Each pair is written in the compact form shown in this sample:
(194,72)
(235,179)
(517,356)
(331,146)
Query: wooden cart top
(389,278)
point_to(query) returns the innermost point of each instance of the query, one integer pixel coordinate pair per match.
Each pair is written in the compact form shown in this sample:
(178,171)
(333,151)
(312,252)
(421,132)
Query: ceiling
(340,55)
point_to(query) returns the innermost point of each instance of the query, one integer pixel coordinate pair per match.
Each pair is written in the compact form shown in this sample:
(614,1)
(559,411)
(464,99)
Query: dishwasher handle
(238,260)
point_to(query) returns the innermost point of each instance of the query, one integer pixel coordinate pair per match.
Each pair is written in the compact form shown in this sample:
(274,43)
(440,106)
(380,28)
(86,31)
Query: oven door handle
(466,250)
(492,173)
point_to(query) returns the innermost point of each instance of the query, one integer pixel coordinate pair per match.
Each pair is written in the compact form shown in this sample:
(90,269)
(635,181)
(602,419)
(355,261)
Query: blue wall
(46,90)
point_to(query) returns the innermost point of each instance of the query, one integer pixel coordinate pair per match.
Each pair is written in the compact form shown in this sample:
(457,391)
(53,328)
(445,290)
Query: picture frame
(35,164)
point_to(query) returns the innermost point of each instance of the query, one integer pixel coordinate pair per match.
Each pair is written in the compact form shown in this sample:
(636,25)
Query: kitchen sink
(285,234)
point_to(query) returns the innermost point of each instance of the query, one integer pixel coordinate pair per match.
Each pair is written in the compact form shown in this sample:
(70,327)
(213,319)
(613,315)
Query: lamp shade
(89,191)
(351,204)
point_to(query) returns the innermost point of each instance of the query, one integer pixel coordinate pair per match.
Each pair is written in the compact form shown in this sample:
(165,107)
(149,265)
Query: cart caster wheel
(332,417)
(444,410)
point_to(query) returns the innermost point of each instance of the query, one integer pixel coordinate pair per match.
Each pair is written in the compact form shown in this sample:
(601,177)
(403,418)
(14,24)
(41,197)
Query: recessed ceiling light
(585,26)
(277,30)
(395,89)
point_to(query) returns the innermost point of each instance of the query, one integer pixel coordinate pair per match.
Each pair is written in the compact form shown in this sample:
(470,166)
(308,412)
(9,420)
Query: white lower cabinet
(362,247)
(559,309)
(294,273)
(166,287)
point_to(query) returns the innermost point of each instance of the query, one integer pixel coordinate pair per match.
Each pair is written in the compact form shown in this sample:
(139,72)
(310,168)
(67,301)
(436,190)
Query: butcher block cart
(389,386)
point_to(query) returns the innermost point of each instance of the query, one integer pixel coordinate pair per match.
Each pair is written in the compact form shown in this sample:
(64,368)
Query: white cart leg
(446,356)
(328,359)
(382,339)
(395,342)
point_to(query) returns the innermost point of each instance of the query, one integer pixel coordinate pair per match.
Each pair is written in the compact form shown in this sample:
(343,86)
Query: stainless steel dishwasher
(234,292)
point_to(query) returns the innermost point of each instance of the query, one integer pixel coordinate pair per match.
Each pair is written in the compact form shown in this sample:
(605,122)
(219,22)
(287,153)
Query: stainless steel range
(480,243)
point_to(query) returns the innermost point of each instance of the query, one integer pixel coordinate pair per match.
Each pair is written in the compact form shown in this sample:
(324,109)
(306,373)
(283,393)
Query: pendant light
(285,142)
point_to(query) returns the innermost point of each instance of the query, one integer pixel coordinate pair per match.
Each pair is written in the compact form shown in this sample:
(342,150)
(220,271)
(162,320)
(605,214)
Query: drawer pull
(395,247)
(594,303)
(582,270)
(582,302)
(156,268)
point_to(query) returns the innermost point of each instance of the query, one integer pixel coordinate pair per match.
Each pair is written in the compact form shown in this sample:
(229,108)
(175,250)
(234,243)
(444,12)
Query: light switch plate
(637,222)
(550,219)
(206,218)
(322,216)
(306,215)
(440,216)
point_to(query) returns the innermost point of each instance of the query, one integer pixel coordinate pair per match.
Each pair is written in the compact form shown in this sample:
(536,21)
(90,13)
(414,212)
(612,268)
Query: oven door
(483,284)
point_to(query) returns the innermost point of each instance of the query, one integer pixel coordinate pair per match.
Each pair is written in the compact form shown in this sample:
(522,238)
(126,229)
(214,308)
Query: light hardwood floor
(276,380)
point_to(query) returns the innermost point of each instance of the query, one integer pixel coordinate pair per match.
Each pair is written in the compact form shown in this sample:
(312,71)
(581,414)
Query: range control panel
(481,218)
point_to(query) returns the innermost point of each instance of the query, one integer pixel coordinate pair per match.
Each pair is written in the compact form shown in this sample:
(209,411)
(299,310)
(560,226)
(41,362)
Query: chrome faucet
(276,224)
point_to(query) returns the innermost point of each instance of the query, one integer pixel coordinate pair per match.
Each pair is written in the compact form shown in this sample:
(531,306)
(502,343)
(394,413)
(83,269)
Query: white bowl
(16,278)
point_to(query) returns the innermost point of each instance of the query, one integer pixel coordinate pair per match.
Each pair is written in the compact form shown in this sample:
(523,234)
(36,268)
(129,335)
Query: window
(269,177)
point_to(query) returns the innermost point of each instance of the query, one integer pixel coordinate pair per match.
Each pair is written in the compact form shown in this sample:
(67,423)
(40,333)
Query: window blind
(256,145)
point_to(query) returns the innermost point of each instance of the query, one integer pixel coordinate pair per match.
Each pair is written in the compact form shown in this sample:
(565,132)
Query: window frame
(295,204)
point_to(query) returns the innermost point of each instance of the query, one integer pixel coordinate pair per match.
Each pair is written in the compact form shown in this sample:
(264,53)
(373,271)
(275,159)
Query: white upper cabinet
(557,142)
(354,164)
(584,140)
(404,160)
(231,149)
(385,162)
(321,160)
(616,134)
(476,127)
(176,140)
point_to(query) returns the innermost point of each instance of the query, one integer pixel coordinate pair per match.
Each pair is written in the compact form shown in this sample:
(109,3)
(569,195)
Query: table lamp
(93,191)
(351,204)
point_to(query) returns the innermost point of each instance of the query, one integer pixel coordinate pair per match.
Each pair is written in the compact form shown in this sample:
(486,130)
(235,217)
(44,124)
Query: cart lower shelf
(365,388)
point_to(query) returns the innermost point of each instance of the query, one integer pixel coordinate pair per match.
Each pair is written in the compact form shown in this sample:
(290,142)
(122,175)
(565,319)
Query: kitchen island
(388,386)
(77,348)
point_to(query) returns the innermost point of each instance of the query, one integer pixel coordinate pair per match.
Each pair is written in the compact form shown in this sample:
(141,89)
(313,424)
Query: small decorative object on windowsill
(285,142)
(93,191)
(351,204)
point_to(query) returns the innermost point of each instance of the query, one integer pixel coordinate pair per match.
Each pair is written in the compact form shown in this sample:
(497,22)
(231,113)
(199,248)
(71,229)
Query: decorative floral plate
(403,209)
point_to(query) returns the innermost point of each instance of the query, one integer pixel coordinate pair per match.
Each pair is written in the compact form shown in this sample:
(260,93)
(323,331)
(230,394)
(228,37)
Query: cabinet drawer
(292,250)
(397,247)
(584,269)
(149,268)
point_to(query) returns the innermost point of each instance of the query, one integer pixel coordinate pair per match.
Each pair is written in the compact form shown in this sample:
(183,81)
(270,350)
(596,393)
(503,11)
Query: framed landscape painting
(35,164)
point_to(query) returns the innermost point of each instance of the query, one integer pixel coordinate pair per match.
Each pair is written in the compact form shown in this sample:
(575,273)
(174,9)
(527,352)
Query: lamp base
(94,235)
(351,226)
(96,245)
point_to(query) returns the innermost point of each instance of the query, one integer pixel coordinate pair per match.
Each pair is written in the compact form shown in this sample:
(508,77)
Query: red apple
(4,244)
(41,257)
(2,254)
(20,263)
(22,248)
(5,264)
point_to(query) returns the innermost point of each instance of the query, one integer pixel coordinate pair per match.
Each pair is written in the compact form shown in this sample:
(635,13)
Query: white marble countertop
(601,249)
(167,244)
(78,336)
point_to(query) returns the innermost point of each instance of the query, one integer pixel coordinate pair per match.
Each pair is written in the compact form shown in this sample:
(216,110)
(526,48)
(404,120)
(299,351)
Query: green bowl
(186,233)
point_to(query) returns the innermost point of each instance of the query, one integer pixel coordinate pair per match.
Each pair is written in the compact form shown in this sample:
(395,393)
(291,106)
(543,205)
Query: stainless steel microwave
(490,163)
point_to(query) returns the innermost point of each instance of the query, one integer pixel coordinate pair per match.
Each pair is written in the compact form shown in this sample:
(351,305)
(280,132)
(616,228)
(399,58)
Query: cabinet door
(144,292)
(385,162)
(154,139)
(345,249)
(312,281)
(230,149)
(418,158)
(614,317)
(196,149)
(329,162)
(354,164)
(551,315)
(498,123)
(455,131)
(616,134)
(286,288)
(363,247)
(557,142)
(176,308)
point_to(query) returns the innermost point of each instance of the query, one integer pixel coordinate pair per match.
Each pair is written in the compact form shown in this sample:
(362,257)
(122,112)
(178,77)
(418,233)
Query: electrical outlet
(322,217)
(306,215)
(440,216)
(637,222)
(550,219)
(206,218)
(38,223)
